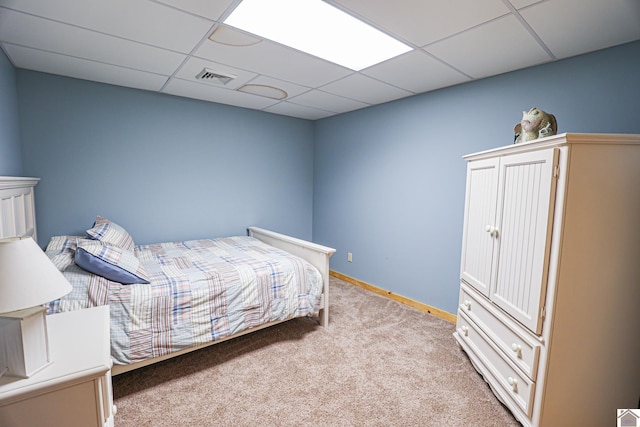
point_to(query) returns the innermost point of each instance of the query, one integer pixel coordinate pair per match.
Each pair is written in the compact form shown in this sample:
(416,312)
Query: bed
(170,298)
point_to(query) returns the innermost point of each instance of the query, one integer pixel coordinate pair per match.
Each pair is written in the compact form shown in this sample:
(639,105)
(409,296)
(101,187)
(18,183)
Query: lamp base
(24,344)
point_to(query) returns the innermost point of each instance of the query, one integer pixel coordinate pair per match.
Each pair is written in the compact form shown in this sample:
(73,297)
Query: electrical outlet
(350,257)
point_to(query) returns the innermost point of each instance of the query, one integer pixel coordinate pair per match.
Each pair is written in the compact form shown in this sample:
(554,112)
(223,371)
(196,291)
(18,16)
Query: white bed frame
(316,255)
(17,218)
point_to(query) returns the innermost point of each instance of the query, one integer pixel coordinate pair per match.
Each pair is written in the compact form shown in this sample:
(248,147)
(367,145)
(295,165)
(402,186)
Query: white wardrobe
(549,308)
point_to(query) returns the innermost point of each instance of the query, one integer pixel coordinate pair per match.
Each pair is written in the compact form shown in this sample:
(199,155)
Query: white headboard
(17,207)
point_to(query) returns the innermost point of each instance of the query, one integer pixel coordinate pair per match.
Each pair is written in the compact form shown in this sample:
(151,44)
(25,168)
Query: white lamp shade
(27,276)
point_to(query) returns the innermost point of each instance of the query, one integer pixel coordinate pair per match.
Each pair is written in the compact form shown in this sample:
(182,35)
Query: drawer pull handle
(467,304)
(513,383)
(465,330)
(517,349)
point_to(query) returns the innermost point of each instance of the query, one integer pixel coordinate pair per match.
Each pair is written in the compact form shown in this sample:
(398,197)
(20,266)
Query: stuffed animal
(535,124)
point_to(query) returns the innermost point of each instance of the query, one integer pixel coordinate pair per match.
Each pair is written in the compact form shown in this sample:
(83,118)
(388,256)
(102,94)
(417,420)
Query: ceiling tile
(498,46)
(573,27)
(193,66)
(327,101)
(365,89)
(211,9)
(43,34)
(138,43)
(416,72)
(300,111)
(53,63)
(519,4)
(425,21)
(215,94)
(274,60)
(141,20)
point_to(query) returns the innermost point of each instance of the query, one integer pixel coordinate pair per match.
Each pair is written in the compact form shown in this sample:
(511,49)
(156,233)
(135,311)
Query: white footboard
(315,254)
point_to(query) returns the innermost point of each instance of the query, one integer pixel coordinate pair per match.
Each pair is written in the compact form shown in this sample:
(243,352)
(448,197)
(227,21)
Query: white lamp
(28,279)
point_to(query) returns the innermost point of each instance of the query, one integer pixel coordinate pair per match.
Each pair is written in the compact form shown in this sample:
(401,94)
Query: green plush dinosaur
(535,124)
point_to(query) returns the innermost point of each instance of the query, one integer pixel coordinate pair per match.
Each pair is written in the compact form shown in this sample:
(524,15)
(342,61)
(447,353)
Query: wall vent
(213,76)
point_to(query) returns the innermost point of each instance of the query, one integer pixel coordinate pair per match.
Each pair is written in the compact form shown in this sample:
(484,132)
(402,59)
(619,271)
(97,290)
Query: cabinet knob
(513,383)
(493,231)
(465,330)
(467,304)
(517,349)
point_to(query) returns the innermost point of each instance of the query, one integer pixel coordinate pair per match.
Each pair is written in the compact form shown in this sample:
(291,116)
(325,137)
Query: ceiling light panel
(317,28)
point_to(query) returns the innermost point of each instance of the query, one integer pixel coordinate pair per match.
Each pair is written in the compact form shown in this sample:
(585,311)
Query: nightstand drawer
(514,384)
(511,338)
(74,390)
(53,408)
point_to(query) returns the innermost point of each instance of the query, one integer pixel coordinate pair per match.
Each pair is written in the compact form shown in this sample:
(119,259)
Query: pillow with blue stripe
(109,261)
(109,232)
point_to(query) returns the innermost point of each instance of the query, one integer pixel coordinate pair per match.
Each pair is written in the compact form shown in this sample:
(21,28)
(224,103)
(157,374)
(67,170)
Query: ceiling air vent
(213,76)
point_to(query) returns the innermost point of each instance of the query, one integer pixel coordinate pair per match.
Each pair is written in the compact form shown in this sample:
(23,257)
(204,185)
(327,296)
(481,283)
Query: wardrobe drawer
(514,384)
(506,333)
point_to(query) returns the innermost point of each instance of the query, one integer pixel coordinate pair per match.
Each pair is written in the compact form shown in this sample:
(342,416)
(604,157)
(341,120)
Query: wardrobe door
(526,193)
(479,220)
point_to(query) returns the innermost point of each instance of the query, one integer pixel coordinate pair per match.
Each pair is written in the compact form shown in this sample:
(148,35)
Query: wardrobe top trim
(562,139)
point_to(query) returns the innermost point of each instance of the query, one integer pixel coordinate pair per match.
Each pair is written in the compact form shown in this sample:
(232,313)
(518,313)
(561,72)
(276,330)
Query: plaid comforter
(200,291)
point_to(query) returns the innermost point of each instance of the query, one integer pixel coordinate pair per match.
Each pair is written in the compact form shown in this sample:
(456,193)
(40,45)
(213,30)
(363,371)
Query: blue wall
(385,183)
(165,168)
(389,180)
(10,157)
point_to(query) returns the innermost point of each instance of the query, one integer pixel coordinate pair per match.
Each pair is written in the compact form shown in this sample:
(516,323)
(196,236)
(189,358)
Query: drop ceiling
(162,45)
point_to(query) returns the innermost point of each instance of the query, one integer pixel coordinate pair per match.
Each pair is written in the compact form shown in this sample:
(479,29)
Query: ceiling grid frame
(317,88)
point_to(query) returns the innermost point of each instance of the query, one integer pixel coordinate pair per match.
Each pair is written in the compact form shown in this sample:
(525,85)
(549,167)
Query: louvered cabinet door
(479,217)
(526,193)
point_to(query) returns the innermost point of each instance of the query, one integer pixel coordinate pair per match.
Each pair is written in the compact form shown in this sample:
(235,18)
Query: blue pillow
(111,262)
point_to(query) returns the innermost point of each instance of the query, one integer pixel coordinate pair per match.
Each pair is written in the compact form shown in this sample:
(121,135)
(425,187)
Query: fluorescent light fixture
(317,28)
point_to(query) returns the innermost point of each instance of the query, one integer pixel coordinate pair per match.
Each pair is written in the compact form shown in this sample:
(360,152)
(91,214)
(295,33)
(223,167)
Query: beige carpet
(379,363)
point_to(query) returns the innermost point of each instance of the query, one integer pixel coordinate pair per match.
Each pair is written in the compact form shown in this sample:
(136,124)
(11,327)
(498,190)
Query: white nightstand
(75,390)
